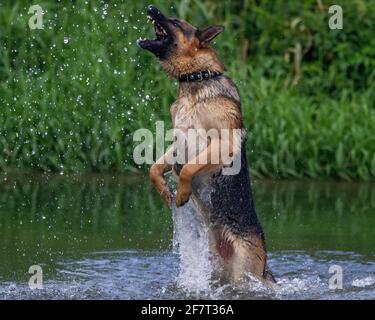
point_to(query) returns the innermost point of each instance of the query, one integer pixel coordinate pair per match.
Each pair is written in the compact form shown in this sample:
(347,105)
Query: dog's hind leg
(242,255)
(249,258)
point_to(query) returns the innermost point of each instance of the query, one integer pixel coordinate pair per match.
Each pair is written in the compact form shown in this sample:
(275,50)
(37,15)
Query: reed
(72,94)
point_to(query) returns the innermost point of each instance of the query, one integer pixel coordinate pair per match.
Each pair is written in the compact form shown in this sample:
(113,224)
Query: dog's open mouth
(161,31)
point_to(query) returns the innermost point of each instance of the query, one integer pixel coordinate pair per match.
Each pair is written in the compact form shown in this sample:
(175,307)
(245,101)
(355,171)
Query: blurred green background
(72,94)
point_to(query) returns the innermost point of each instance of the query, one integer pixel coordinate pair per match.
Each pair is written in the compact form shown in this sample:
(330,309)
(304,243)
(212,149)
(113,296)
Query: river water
(109,237)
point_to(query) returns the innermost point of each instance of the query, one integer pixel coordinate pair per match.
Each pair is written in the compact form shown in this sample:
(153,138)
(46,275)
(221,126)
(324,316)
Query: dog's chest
(186,114)
(189,130)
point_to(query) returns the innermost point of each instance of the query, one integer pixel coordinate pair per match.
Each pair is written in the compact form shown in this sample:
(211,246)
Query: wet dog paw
(183,195)
(167,197)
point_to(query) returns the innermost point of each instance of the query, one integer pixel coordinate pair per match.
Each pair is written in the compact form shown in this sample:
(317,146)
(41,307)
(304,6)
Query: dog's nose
(151,8)
(154,12)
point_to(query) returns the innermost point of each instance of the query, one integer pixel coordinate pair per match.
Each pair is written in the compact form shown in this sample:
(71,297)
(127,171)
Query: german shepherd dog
(208,100)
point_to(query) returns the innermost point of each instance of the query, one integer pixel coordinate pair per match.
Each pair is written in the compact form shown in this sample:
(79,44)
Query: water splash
(190,241)
(365,282)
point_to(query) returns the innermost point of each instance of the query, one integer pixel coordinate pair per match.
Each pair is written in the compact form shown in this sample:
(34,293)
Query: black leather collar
(199,76)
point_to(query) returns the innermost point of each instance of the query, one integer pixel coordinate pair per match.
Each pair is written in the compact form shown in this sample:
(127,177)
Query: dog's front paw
(167,196)
(183,194)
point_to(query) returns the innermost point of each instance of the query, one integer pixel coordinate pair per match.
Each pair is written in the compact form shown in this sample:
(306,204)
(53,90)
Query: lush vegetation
(72,94)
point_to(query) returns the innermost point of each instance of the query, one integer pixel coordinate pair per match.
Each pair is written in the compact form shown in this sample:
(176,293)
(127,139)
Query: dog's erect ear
(206,35)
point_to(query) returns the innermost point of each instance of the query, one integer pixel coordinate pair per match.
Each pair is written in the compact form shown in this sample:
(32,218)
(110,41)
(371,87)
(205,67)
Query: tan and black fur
(225,201)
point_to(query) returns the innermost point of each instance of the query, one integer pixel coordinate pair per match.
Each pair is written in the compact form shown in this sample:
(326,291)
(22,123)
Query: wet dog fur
(225,201)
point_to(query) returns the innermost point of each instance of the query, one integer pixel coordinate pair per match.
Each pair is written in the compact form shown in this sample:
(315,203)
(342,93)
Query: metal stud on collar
(199,76)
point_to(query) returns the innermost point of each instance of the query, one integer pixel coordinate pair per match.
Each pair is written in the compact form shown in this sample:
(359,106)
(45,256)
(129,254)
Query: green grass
(74,106)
